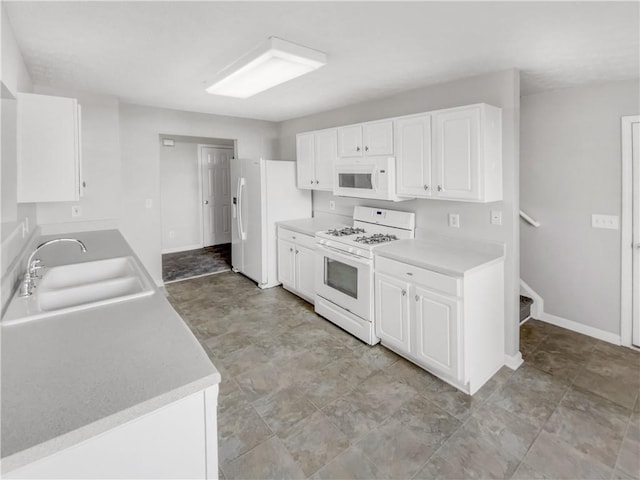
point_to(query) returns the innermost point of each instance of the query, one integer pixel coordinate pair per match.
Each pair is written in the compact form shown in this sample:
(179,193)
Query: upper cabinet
(413,156)
(316,152)
(49,161)
(451,154)
(375,138)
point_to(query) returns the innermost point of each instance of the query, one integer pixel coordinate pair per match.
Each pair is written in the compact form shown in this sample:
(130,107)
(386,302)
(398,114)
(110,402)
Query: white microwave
(368,177)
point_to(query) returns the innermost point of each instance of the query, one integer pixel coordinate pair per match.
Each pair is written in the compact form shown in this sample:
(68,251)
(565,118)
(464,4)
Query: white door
(286,260)
(305,160)
(216,195)
(436,336)
(413,156)
(305,267)
(326,151)
(350,141)
(392,312)
(635,166)
(378,138)
(457,154)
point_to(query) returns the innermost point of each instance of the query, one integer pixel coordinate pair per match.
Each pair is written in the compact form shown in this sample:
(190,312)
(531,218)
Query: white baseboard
(580,328)
(513,361)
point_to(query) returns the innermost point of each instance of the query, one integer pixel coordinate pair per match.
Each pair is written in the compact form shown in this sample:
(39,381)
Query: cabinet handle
(439,188)
(426,187)
(297,252)
(357,149)
(311,182)
(366,149)
(293,238)
(410,274)
(417,298)
(404,292)
(290,249)
(317,182)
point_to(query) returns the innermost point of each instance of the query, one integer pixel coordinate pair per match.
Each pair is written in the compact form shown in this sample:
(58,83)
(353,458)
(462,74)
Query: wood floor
(301,398)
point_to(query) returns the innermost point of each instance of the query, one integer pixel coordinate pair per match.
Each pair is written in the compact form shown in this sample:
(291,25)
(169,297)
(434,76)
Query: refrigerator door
(237,257)
(252,216)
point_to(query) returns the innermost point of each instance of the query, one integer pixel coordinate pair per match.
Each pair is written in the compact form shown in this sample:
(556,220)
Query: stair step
(525,307)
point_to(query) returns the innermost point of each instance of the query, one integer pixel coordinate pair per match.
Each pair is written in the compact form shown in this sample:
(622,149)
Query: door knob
(404,292)
(206,202)
(366,149)
(357,149)
(439,188)
(426,187)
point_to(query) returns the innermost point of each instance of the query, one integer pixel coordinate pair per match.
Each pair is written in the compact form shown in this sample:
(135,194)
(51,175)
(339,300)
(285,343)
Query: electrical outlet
(454,220)
(76,211)
(496,217)
(148,203)
(605,221)
(332,205)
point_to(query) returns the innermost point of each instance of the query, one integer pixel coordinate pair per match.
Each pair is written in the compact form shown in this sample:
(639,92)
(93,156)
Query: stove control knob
(350,250)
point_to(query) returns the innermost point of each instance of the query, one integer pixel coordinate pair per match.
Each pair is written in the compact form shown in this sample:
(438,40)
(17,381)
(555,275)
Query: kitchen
(128,198)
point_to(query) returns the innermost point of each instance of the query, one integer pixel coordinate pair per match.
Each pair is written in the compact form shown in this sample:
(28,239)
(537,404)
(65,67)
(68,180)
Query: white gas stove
(344,271)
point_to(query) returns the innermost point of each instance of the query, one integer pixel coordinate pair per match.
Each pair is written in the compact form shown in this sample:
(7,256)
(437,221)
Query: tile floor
(192,263)
(300,398)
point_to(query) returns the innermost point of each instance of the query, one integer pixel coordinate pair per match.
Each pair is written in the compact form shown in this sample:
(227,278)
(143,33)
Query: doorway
(195,206)
(630,234)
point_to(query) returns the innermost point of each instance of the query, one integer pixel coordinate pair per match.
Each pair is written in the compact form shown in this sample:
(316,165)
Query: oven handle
(341,253)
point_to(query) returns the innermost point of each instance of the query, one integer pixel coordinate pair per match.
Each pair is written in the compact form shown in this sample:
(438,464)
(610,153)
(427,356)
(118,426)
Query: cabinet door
(392,311)
(350,141)
(413,156)
(457,150)
(305,151)
(436,331)
(286,261)
(378,138)
(305,271)
(326,151)
(48,149)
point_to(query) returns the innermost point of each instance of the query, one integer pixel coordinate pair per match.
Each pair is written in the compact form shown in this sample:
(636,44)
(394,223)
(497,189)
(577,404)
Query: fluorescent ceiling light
(275,62)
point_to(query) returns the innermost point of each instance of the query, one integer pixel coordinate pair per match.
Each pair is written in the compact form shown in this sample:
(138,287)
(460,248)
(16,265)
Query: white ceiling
(162,53)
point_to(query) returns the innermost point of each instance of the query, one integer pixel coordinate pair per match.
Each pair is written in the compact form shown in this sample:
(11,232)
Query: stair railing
(529,220)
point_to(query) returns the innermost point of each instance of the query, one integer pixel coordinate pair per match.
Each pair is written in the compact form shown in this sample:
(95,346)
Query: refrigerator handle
(241,232)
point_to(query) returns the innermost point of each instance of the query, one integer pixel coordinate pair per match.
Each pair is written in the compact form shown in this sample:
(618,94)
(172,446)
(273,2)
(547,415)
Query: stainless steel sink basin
(77,286)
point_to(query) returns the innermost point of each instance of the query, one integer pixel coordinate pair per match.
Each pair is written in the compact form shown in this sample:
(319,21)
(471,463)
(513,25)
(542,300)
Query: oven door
(345,280)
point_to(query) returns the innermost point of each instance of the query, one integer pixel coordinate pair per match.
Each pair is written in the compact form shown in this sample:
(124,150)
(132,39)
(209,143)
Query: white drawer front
(420,276)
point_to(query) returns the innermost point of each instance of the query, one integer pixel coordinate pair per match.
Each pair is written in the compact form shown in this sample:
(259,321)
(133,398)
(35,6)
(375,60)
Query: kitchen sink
(78,286)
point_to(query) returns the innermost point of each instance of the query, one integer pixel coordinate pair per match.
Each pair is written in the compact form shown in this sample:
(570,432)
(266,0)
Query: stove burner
(345,231)
(376,238)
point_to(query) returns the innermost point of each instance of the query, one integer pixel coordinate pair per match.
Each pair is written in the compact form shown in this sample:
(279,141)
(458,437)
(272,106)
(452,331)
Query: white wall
(15,240)
(101,203)
(500,89)
(571,169)
(139,130)
(180,207)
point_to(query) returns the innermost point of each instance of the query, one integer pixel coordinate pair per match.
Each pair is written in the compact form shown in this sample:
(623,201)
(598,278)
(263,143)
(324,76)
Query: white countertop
(68,378)
(309,226)
(450,258)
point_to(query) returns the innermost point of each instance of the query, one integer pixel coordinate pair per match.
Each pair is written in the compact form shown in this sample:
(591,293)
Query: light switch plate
(496,217)
(148,203)
(454,220)
(605,221)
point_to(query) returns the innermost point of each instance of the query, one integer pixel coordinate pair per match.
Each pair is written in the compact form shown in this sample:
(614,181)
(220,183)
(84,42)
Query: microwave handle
(374,180)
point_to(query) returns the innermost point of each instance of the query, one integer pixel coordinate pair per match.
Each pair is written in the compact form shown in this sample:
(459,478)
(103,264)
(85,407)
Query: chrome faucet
(29,281)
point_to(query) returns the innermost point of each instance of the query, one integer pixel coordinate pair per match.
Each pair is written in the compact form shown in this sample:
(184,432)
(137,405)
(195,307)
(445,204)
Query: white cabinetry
(375,138)
(316,154)
(176,441)
(49,158)
(413,156)
(453,154)
(296,263)
(450,326)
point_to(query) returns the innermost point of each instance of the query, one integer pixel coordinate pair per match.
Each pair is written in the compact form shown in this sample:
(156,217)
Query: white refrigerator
(263,192)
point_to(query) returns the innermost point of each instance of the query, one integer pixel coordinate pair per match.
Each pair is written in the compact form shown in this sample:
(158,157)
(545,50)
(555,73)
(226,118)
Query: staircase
(525,308)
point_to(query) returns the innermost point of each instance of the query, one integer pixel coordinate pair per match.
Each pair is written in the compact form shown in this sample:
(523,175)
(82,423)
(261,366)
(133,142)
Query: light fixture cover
(272,63)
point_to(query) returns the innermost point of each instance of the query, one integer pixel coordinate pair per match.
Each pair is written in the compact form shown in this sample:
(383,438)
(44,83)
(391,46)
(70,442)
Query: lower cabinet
(451,326)
(296,263)
(178,440)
